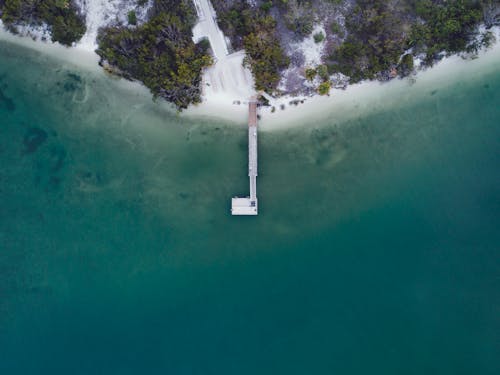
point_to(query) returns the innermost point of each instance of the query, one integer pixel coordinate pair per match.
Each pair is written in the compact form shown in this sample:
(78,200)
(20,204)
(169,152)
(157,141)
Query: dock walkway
(248,205)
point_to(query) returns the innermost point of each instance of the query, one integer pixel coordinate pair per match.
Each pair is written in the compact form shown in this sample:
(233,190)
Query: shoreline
(361,98)
(78,55)
(354,101)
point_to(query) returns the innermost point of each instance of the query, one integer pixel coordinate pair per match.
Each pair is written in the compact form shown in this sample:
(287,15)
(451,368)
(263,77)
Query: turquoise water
(376,250)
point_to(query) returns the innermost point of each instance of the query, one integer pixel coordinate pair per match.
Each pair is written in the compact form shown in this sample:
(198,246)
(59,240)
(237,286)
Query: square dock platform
(243,206)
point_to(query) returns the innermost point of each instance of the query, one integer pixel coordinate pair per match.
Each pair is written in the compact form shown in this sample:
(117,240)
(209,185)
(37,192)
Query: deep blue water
(376,250)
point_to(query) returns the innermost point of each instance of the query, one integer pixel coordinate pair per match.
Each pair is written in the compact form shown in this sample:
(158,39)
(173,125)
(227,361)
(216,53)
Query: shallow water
(375,251)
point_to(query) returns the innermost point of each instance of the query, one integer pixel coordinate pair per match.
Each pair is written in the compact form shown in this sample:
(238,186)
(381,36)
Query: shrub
(310,74)
(299,16)
(319,37)
(324,88)
(322,71)
(132,18)
(335,28)
(266,6)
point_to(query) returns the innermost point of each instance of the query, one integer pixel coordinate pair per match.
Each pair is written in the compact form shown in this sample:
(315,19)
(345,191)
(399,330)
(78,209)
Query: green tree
(319,37)
(310,74)
(324,88)
(132,18)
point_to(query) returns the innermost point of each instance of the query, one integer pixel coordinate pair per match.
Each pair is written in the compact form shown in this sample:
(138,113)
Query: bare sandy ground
(227,82)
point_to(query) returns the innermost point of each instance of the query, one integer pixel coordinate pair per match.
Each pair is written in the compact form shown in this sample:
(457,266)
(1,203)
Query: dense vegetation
(374,43)
(448,26)
(299,15)
(66,24)
(377,39)
(160,53)
(254,29)
(380,31)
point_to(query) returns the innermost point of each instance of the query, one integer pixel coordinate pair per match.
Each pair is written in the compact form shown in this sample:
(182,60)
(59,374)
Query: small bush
(310,74)
(204,44)
(319,37)
(132,18)
(322,71)
(266,7)
(324,88)
(335,28)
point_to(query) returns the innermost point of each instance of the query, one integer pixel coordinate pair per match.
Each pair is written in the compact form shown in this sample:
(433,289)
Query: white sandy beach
(352,102)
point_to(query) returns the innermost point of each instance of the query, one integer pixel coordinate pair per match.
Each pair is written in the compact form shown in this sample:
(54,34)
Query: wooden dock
(248,205)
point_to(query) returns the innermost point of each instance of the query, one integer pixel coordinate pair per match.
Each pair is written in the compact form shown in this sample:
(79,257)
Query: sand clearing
(100,13)
(227,82)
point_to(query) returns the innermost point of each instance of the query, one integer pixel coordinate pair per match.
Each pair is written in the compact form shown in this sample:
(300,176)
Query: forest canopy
(383,35)
(160,53)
